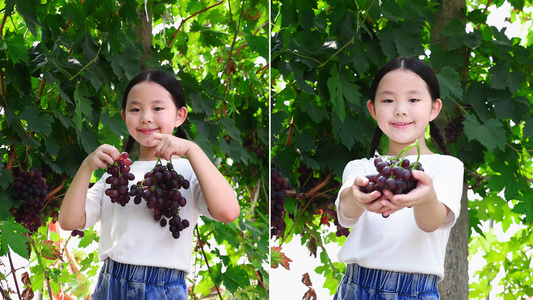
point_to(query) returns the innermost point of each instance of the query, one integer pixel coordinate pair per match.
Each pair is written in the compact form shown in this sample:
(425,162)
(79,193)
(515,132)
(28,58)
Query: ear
(371,108)
(181,116)
(123,114)
(435,109)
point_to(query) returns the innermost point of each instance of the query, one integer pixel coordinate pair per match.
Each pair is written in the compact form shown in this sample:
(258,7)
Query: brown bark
(455,283)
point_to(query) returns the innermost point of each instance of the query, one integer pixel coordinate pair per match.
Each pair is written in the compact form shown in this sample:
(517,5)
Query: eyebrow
(135,102)
(387,92)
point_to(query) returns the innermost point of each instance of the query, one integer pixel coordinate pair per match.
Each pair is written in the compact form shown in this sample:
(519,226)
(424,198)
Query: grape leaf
(449,83)
(490,134)
(277,258)
(15,49)
(12,233)
(36,122)
(50,251)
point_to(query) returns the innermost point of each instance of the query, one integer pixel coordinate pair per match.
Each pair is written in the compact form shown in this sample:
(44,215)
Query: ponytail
(375,141)
(434,131)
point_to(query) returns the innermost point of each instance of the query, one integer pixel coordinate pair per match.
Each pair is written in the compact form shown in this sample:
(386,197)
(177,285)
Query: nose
(400,110)
(146,117)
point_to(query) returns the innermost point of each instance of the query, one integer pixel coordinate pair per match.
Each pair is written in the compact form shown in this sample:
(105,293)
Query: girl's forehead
(148,91)
(401,79)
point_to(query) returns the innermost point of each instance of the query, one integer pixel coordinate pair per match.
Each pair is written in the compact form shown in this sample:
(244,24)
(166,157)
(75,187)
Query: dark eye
(134,110)
(388,101)
(158,109)
(414,100)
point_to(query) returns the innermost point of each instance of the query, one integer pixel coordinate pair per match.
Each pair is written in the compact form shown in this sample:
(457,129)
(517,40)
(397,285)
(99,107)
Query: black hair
(169,83)
(426,73)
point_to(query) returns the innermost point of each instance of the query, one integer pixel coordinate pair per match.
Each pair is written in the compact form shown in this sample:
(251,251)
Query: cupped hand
(102,157)
(423,192)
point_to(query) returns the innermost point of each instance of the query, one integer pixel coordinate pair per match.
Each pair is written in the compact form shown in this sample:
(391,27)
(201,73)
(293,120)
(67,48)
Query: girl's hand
(374,201)
(167,145)
(101,157)
(423,193)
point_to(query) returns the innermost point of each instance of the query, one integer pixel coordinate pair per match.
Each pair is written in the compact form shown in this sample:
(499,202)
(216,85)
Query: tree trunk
(455,283)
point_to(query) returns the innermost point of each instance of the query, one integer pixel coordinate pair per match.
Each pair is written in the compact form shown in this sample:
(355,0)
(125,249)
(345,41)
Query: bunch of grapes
(329,209)
(279,189)
(77,232)
(160,190)
(31,188)
(394,174)
(454,129)
(119,180)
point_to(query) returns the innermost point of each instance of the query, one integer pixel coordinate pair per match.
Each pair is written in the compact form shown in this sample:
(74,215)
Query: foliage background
(324,56)
(63,67)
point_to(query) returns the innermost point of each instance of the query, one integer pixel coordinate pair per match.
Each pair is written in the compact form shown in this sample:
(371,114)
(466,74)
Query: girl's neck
(395,148)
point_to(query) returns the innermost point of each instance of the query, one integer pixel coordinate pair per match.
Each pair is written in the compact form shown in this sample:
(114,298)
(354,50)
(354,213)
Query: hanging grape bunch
(119,179)
(279,188)
(394,174)
(454,129)
(31,188)
(160,190)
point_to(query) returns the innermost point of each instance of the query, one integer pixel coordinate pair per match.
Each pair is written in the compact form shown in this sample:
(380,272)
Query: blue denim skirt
(370,284)
(123,281)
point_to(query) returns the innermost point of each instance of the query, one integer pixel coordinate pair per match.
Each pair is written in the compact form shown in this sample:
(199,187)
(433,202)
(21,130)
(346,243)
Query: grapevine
(31,188)
(394,174)
(279,187)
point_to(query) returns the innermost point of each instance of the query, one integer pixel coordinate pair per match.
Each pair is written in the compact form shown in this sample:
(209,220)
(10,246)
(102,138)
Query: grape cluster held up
(119,180)
(160,190)
(394,174)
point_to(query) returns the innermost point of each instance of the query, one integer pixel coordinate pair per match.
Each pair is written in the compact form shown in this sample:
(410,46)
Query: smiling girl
(396,245)
(141,259)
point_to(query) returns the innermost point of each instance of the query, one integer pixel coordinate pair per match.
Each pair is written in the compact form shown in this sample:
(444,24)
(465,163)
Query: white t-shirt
(130,234)
(396,243)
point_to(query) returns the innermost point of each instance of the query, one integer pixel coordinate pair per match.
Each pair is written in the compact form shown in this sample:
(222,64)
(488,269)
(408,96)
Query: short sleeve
(448,177)
(352,170)
(93,203)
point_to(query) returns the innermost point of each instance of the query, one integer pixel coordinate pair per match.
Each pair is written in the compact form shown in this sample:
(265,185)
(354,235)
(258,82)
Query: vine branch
(188,18)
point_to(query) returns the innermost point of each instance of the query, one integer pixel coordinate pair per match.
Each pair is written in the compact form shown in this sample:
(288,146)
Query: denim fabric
(361,283)
(123,281)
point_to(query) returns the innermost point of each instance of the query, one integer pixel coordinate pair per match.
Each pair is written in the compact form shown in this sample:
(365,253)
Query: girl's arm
(72,211)
(429,212)
(218,193)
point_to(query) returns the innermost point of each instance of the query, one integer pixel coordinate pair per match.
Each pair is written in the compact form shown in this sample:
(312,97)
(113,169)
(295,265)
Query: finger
(361,181)
(154,139)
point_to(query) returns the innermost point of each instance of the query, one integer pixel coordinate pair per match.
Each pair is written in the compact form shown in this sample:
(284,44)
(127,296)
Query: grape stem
(403,153)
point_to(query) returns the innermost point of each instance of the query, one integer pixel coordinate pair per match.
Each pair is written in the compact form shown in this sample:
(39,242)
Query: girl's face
(403,109)
(149,109)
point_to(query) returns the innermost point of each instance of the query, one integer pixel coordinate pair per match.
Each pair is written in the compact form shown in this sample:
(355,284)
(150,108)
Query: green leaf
(335,92)
(490,134)
(16,51)
(503,78)
(258,44)
(309,106)
(11,235)
(449,83)
(36,122)
(229,127)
